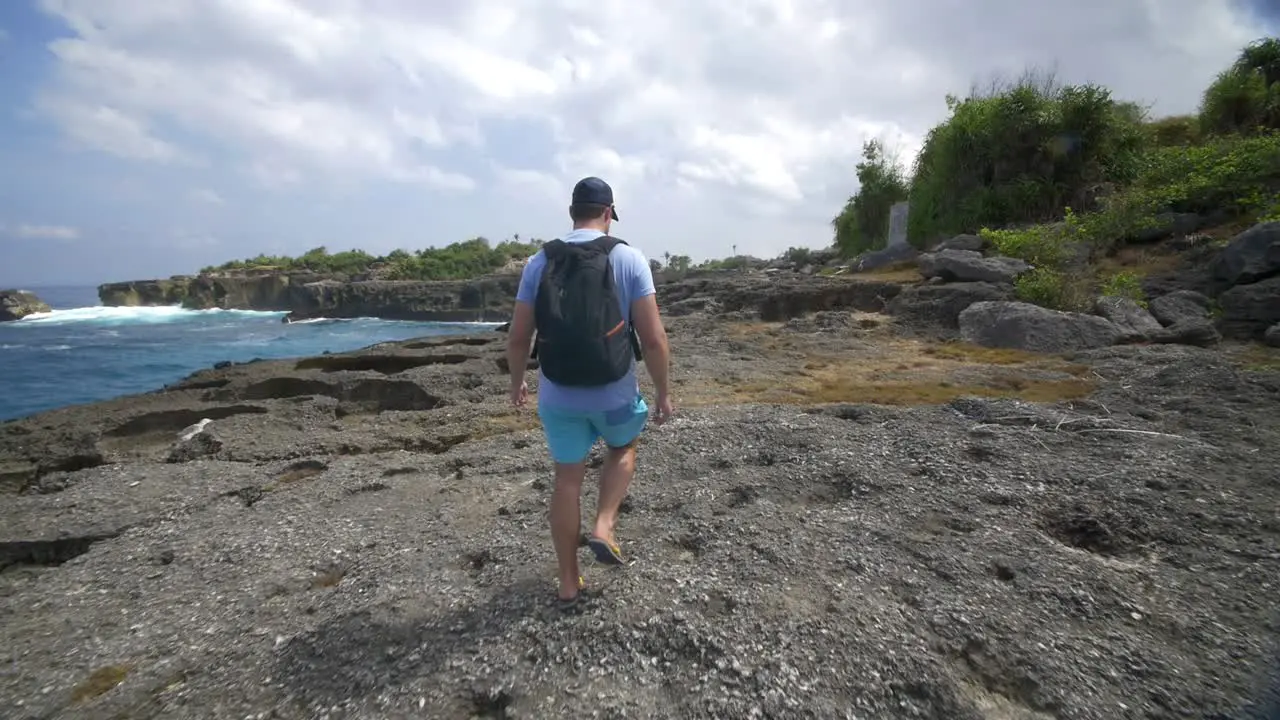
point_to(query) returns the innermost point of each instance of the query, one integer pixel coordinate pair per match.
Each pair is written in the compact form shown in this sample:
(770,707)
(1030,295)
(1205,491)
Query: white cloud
(110,130)
(743,118)
(43,232)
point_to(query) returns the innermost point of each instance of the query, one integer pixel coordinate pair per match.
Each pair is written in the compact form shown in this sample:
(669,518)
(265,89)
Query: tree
(1020,152)
(1245,98)
(468,259)
(798,255)
(863,224)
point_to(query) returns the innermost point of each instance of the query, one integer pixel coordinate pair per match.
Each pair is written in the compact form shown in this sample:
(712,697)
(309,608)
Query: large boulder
(17,304)
(971,266)
(1180,306)
(1272,336)
(1024,326)
(1187,319)
(876,259)
(780,299)
(1249,310)
(941,305)
(1200,333)
(972,243)
(1251,256)
(691,305)
(202,444)
(1134,321)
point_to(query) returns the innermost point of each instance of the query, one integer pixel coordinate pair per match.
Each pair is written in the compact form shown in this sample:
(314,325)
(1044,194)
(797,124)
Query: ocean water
(83,352)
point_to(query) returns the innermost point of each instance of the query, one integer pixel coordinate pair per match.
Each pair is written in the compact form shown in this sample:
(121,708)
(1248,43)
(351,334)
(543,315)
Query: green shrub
(1042,286)
(317,260)
(1071,289)
(1041,245)
(1245,98)
(1175,131)
(798,255)
(468,259)
(863,223)
(1074,237)
(679,263)
(1271,211)
(1020,154)
(1232,173)
(1125,285)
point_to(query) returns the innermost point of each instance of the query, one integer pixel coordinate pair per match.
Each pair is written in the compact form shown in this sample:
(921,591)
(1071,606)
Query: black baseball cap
(594,191)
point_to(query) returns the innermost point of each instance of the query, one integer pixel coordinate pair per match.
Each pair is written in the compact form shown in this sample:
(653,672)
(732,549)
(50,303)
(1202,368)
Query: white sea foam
(130,315)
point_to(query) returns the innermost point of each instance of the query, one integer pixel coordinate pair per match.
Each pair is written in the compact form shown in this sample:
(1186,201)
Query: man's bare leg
(566,524)
(615,477)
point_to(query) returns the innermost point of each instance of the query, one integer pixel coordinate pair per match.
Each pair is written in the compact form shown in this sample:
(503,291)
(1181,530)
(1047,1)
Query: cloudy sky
(142,139)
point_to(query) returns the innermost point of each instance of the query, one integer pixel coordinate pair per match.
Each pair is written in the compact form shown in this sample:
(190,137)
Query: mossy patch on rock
(99,682)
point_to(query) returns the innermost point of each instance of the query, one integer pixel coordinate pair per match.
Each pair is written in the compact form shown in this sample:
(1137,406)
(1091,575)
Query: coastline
(350,509)
(945,292)
(309,295)
(88,354)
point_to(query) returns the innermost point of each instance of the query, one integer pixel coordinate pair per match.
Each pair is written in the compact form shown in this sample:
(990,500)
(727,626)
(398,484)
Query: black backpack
(582,340)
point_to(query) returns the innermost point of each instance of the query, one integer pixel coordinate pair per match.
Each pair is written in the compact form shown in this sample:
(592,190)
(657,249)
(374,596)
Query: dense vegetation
(1245,98)
(864,223)
(460,260)
(1068,171)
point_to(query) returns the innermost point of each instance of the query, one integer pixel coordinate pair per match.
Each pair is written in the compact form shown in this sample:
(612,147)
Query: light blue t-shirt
(633,280)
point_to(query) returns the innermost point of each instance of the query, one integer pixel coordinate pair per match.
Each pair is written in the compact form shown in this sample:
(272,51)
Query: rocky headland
(313,295)
(17,304)
(894,495)
(1212,287)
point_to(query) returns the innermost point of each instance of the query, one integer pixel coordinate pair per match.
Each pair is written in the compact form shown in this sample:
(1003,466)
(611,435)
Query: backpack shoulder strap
(553,248)
(607,243)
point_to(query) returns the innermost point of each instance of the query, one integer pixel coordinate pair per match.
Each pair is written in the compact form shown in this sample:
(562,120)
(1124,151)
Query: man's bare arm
(653,341)
(519,341)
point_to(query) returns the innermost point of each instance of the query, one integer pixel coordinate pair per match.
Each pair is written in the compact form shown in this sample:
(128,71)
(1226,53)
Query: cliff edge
(311,295)
(17,304)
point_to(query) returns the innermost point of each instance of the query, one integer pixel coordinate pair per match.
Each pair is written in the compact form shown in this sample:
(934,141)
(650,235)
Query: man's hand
(664,409)
(519,339)
(519,392)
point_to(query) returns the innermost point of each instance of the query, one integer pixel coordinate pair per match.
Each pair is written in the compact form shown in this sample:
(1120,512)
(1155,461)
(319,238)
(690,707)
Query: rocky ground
(847,519)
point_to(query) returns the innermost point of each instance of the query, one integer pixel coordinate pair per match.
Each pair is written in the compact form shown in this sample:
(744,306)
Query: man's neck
(590,226)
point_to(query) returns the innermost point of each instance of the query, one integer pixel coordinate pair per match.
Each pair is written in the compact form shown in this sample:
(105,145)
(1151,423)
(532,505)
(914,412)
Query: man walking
(589,297)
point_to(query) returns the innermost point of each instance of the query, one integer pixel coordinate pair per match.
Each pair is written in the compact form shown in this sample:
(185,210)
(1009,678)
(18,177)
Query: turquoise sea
(83,352)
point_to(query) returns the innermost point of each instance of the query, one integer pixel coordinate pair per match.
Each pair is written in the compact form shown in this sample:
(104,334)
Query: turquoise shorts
(571,433)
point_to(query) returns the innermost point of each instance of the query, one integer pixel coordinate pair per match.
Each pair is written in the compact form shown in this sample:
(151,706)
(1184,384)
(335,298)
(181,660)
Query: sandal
(575,602)
(606,552)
